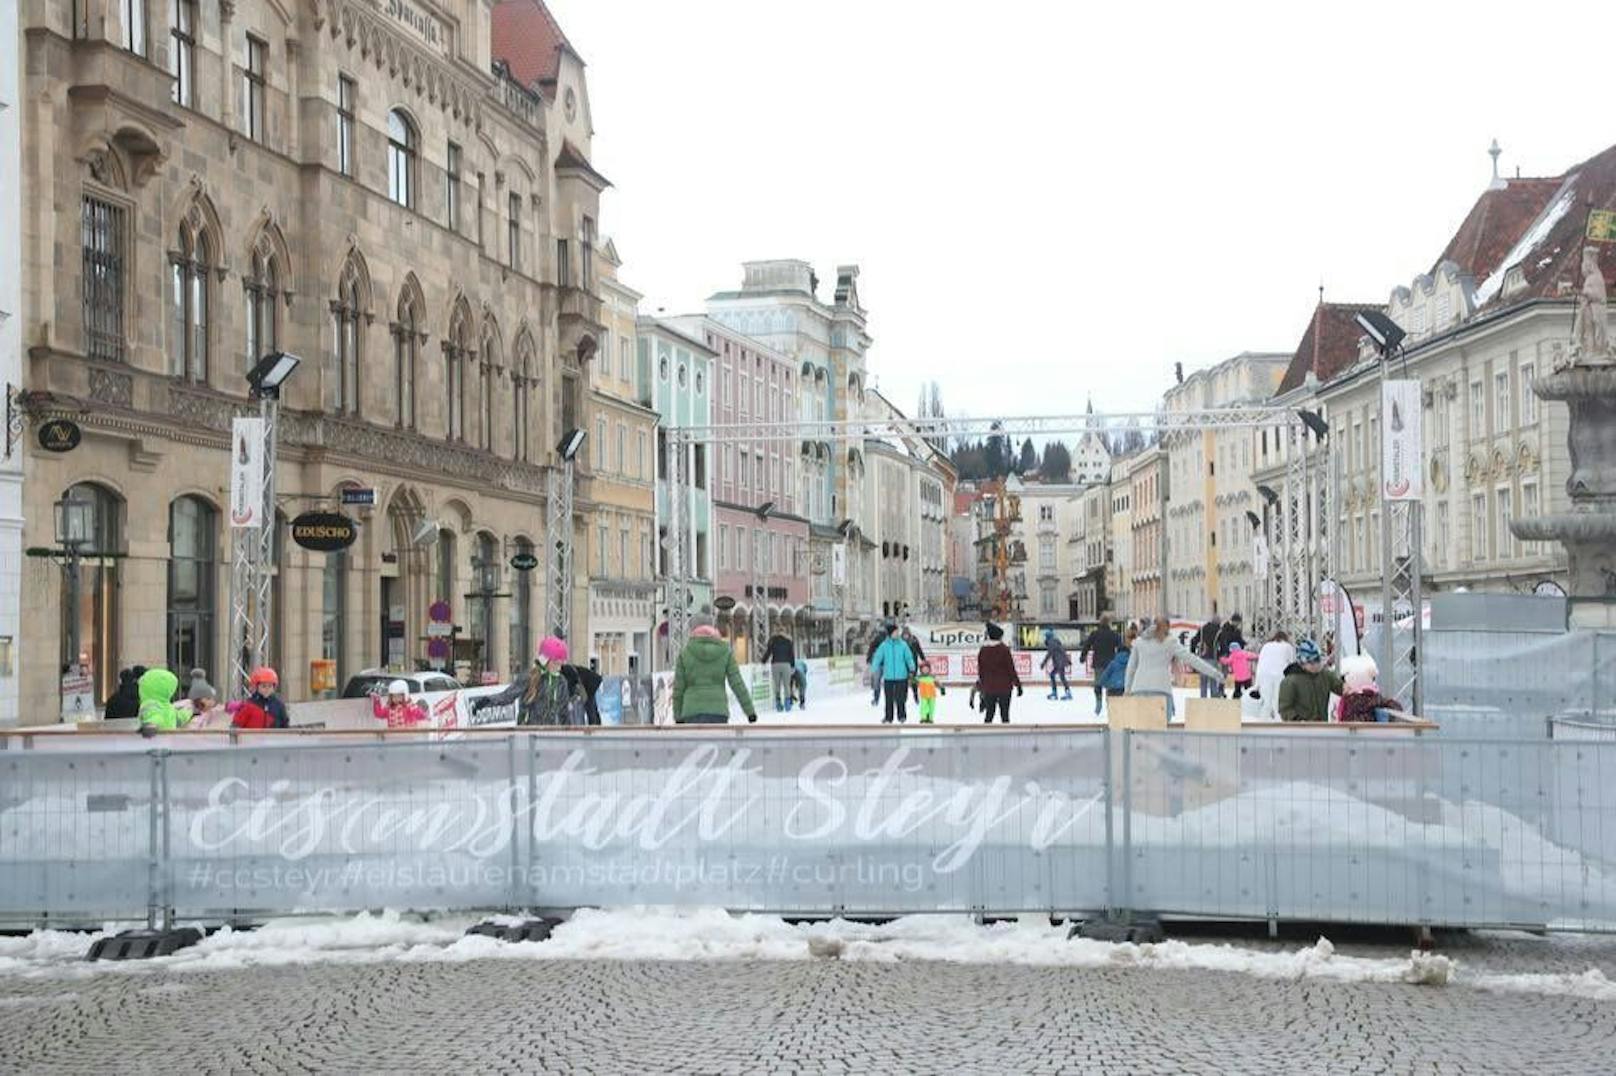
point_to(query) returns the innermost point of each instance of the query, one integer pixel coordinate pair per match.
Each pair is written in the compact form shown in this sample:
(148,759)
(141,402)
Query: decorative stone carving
(200,408)
(112,388)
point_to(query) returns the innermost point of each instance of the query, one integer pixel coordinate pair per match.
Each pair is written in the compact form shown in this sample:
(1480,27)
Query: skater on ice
(894,665)
(996,676)
(1098,650)
(1056,662)
(927,689)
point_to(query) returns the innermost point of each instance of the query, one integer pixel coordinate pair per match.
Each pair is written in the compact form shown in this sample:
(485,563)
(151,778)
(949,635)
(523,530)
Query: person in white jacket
(1276,655)
(1150,667)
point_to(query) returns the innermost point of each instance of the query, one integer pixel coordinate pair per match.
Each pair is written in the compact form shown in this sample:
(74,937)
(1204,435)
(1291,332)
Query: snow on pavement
(712,934)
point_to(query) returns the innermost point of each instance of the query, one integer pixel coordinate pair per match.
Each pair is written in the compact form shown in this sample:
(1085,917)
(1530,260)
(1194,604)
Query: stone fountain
(1585,380)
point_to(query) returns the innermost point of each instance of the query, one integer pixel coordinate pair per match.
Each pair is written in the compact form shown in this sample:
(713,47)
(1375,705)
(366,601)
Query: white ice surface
(666,934)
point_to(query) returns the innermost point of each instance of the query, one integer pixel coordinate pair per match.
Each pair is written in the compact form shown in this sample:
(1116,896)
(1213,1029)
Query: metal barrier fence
(1505,684)
(1387,829)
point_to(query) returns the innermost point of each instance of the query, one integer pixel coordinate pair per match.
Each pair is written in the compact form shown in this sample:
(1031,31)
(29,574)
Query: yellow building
(622,452)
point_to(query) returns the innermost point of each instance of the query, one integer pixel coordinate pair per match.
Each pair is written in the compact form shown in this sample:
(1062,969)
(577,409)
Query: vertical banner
(247,472)
(1340,616)
(838,565)
(1402,474)
(1259,555)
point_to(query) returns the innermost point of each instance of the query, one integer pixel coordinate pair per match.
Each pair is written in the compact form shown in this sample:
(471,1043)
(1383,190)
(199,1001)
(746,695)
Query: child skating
(926,691)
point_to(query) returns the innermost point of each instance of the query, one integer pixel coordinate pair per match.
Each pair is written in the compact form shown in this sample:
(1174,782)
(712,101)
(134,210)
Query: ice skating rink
(1035,707)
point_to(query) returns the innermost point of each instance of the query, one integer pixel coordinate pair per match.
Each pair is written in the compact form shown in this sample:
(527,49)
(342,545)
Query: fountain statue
(1585,380)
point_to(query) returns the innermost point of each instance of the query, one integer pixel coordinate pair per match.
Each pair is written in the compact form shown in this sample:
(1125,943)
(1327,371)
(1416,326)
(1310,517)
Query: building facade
(679,370)
(761,556)
(1147,483)
(1120,490)
(1210,470)
(403,200)
(622,612)
(778,305)
(910,488)
(11,362)
(1092,554)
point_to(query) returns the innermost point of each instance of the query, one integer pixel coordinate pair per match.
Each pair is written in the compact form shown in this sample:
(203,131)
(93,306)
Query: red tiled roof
(1553,267)
(1329,345)
(529,41)
(1495,222)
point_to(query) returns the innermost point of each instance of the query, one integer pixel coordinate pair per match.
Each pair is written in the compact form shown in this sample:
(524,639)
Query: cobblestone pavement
(810,1017)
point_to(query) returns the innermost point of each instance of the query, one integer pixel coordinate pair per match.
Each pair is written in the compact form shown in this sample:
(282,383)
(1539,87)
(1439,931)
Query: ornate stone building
(398,193)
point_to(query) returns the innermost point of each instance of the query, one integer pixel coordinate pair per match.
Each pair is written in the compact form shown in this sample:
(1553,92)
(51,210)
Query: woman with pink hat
(543,695)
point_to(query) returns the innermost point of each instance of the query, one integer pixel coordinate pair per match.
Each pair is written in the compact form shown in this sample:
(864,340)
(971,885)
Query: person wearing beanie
(895,665)
(1304,694)
(542,694)
(706,666)
(204,700)
(996,676)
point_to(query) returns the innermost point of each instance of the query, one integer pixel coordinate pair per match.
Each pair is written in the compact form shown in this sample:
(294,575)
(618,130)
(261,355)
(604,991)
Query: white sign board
(78,696)
(247,472)
(1259,556)
(1402,474)
(838,565)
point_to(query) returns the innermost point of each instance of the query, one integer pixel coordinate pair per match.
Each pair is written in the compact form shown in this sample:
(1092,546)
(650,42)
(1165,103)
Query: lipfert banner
(787,822)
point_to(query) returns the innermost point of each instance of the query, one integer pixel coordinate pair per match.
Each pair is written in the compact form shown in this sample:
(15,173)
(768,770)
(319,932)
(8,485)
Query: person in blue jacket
(894,665)
(1115,677)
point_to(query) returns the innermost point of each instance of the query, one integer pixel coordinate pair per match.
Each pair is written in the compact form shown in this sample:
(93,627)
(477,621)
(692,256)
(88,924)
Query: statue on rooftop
(1590,329)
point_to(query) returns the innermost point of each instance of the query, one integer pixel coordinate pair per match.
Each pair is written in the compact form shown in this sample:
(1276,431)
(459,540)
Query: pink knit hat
(552,651)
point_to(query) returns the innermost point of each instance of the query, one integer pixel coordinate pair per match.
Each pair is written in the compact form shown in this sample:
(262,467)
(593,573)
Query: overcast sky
(1071,196)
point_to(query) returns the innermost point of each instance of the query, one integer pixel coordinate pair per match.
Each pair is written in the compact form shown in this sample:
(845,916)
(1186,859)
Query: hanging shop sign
(324,532)
(524,562)
(60,435)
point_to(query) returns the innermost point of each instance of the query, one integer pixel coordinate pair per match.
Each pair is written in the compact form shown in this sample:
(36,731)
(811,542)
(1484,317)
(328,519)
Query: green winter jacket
(157,687)
(705,665)
(1305,696)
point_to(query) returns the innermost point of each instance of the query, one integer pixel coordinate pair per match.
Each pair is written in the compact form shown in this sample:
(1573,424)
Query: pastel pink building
(754,554)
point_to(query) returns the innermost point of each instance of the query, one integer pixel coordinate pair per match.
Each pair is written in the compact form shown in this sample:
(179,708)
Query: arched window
(403,145)
(522,379)
(522,613)
(456,354)
(407,339)
(192,545)
(91,629)
(485,387)
(485,580)
(263,288)
(188,301)
(347,310)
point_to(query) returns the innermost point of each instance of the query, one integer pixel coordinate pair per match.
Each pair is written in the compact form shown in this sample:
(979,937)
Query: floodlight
(1385,332)
(1268,494)
(570,444)
(1315,422)
(763,511)
(1255,520)
(272,370)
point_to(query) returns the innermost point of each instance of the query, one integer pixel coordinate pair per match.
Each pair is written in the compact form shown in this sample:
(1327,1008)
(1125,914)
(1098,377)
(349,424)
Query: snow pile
(712,934)
(1528,242)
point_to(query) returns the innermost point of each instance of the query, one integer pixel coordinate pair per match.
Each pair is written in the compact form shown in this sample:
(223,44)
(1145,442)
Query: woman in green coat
(705,665)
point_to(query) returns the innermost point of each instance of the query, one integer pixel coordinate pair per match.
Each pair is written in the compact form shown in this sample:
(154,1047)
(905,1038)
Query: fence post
(516,822)
(155,792)
(1110,840)
(166,874)
(532,799)
(1127,825)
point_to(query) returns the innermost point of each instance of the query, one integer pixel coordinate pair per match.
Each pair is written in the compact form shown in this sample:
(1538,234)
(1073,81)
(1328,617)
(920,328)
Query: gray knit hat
(200,688)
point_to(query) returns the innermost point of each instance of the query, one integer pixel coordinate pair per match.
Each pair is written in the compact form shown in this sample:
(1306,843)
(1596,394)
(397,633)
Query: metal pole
(74,598)
(558,536)
(1162,499)
(269,408)
(1388,618)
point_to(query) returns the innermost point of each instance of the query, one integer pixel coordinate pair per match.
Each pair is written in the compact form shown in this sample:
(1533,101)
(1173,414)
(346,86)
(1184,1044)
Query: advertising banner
(1401,469)
(247,472)
(789,821)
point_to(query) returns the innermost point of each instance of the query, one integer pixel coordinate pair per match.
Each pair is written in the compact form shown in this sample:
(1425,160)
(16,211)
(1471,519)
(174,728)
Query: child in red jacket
(249,715)
(396,708)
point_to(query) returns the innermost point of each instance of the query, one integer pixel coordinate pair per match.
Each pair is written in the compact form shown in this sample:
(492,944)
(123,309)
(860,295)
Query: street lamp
(760,595)
(559,533)
(251,593)
(75,529)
